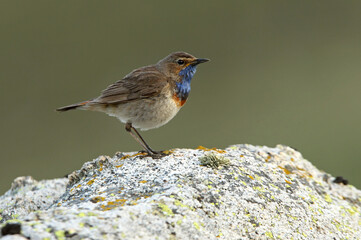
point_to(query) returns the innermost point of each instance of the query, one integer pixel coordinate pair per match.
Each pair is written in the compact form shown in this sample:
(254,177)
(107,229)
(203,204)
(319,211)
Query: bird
(148,97)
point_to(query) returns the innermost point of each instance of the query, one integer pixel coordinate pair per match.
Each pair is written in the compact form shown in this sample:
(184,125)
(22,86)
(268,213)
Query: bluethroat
(148,97)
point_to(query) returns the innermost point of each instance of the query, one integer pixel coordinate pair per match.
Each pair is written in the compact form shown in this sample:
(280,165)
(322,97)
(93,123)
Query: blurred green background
(281,72)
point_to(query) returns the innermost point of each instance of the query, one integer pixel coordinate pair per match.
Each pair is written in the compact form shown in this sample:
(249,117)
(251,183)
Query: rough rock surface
(27,195)
(242,192)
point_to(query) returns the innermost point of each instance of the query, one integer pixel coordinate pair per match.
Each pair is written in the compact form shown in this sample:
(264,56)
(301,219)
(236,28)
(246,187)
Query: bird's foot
(156,154)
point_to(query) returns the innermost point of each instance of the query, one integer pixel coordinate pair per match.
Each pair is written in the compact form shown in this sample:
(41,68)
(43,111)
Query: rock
(27,195)
(13,237)
(242,192)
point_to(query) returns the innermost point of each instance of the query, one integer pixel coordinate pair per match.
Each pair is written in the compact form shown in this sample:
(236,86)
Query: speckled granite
(27,195)
(242,192)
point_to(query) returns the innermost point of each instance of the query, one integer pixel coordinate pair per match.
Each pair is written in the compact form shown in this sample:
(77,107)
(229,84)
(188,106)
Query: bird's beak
(199,60)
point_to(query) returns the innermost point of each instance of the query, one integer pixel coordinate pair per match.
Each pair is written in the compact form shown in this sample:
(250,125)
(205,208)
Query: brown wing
(142,83)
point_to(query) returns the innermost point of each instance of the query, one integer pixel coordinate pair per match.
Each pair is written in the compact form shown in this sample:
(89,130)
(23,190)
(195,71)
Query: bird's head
(180,64)
(180,67)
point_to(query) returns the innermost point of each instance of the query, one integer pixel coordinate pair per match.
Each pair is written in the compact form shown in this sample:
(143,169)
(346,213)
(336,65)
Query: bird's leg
(139,139)
(145,143)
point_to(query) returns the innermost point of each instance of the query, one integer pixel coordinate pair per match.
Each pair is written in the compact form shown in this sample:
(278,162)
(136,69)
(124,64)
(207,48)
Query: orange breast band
(180,102)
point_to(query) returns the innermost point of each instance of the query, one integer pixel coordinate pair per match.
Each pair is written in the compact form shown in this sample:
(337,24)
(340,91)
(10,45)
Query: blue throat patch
(184,87)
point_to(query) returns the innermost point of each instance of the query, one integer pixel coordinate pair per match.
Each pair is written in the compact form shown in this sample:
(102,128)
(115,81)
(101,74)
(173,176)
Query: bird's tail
(72,106)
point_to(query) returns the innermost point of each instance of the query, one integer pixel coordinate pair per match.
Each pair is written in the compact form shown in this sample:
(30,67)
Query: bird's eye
(180,62)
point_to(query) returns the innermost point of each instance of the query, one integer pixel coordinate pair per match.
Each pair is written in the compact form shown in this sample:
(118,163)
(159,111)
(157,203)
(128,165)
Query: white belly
(147,113)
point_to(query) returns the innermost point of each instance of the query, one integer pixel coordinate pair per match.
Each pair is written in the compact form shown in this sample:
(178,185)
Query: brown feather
(141,83)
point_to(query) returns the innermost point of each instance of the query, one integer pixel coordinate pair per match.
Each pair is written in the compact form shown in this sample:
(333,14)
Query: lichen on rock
(241,192)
